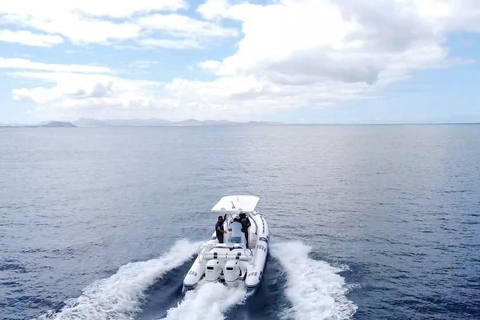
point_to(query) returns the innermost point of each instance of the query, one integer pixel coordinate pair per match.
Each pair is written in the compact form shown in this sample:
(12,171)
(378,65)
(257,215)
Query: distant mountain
(49,124)
(94,123)
(57,124)
(264,123)
(197,123)
(161,123)
(83,122)
(88,123)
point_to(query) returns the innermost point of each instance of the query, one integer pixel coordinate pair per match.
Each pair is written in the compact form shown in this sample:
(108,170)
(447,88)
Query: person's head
(242,215)
(220,219)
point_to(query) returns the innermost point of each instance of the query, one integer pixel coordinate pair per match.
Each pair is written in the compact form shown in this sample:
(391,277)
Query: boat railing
(244,255)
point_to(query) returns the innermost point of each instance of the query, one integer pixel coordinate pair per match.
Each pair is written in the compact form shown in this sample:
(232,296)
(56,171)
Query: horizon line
(241,123)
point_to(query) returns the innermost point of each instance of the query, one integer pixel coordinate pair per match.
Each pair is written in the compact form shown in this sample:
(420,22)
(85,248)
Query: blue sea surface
(366,222)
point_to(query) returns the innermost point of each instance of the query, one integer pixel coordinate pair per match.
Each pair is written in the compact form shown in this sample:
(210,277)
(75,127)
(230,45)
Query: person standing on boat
(245,225)
(236,230)
(219,229)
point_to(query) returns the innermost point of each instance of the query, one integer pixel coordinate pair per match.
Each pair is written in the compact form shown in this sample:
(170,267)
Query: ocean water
(367,222)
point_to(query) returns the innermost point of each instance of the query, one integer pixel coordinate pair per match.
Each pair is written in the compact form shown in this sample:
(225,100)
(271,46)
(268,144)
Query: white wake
(120,296)
(314,288)
(208,302)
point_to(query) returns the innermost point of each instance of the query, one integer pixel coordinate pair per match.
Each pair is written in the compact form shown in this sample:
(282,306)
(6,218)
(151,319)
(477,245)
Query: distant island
(50,124)
(94,123)
(57,124)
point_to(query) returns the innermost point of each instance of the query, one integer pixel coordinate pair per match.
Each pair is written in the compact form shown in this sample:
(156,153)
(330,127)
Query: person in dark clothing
(219,229)
(245,225)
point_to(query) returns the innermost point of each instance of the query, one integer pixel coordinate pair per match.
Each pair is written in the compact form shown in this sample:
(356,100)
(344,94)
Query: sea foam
(314,288)
(121,295)
(208,302)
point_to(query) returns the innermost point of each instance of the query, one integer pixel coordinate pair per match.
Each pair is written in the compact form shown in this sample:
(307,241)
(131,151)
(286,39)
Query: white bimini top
(234,204)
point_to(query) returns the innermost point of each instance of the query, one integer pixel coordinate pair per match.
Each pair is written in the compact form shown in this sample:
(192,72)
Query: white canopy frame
(236,204)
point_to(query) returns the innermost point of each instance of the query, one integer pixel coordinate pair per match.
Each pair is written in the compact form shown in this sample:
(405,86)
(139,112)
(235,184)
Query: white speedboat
(229,262)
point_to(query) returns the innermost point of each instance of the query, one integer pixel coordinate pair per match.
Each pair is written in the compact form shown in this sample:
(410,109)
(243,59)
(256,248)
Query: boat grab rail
(245,254)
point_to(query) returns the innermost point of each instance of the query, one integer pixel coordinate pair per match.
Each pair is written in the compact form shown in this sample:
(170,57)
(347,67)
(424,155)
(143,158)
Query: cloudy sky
(300,61)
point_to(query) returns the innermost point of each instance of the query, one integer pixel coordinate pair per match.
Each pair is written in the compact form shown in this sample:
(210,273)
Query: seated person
(236,230)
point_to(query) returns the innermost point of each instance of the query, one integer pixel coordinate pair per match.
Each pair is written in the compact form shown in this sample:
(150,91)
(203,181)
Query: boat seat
(219,252)
(237,256)
(213,255)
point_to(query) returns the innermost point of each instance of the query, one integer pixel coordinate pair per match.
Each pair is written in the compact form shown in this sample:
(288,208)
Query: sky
(294,61)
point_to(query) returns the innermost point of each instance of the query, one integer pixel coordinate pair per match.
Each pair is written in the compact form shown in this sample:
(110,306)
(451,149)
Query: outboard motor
(213,270)
(232,271)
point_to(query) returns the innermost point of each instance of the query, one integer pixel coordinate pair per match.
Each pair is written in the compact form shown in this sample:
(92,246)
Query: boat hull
(215,261)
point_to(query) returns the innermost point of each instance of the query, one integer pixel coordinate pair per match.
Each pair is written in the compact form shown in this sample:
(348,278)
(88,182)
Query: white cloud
(212,9)
(120,9)
(100,22)
(26,64)
(293,54)
(68,87)
(183,26)
(68,95)
(77,28)
(125,8)
(26,37)
(170,43)
(318,40)
(210,66)
(314,52)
